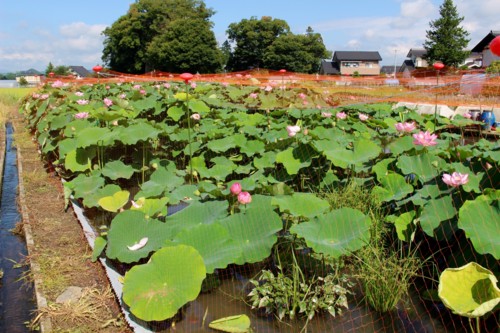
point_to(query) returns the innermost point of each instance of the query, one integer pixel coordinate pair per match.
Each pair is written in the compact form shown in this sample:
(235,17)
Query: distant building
(79,72)
(33,80)
(483,48)
(352,62)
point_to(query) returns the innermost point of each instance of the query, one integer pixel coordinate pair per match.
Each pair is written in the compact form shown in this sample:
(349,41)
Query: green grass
(9,97)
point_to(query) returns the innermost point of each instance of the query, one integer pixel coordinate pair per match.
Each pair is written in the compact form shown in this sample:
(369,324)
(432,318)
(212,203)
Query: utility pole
(395,53)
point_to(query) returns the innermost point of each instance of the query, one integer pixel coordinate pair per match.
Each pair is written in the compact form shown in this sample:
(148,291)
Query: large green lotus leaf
(213,243)
(128,229)
(254,229)
(107,114)
(183,192)
(405,228)
(421,196)
(79,159)
(470,291)
(158,289)
(480,219)
(197,213)
(91,136)
(295,159)
(75,127)
(84,185)
(229,142)
(223,167)
(363,151)
(161,181)
(266,161)
(137,132)
(336,233)
(381,169)
(60,121)
(65,146)
(245,119)
(394,187)
(176,112)
(425,166)
(117,169)
(115,201)
(151,207)
(99,245)
(252,147)
(197,106)
(91,199)
(436,211)
(401,145)
(301,204)
(232,324)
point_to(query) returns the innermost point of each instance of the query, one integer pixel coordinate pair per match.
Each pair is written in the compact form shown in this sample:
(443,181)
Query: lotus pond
(303,205)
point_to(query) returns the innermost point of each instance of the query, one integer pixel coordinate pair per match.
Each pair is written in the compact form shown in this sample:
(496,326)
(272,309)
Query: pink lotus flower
(142,91)
(302,96)
(82,102)
(467,115)
(193,85)
(82,115)
(244,198)
(455,179)
(57,84)
(326,114)
(79,94)
(341,115)
(268,88)
(196,116)
(225,84)
(363,117)
(137,86)
(122,96)
(108,102)
(425,139)
(292,130)
(235,188)
(253,95)
(405,127)
(44,96)
(35,95)
(166,85)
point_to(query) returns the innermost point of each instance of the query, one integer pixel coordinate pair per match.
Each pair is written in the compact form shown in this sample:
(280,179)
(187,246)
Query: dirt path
(61,251)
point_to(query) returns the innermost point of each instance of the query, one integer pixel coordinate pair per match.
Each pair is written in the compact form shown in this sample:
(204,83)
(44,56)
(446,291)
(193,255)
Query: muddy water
(16,297)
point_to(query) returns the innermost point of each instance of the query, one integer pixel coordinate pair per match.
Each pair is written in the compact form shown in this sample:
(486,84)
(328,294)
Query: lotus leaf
(401,145)
(336,233)
(114,202)
(434,212)
(83,186)
(470,291)
(91,136)
(183,192)
(394,187)
(254,229)
(158,289)
(80,159)
(426,166)
(175,112)
(232,324)
(480,219)
(198,107)
(117,169)
(152,207)
(161,181)
(229,142)
(197,213)
(99,245)
(363,151)
(301,204)
(91,200)
(128,228)
(137,132)
(213,243)
(295,159)
(405,227)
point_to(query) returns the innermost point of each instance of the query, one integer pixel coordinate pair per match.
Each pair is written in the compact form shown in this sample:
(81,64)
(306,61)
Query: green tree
(296,53)
(61,70)
(23,82)
(494,67)
(50,68)
(446,40)
(167,35)
(251,38)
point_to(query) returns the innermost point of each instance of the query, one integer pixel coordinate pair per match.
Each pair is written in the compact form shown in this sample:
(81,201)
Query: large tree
(167,35)
(296,53)
(446,40)
(251,38)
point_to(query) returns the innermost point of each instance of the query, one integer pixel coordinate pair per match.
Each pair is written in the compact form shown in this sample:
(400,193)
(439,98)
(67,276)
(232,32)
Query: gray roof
(486,41)
(80,70)
(328,67)
(356,56)
(416,52)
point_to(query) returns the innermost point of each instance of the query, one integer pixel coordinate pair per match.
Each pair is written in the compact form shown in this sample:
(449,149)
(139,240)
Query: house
(352,62)
(31,80)
(79,72)
(483,48)
(417,57)
(416,60)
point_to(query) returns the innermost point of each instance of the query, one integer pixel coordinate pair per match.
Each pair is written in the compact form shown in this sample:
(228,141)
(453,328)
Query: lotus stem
(189,136)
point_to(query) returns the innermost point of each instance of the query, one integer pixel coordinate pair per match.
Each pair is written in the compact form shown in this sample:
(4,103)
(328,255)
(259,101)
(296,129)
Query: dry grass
(89,307)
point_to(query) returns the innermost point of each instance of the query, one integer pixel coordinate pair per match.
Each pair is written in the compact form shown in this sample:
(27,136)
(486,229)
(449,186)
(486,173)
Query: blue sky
(34,33)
